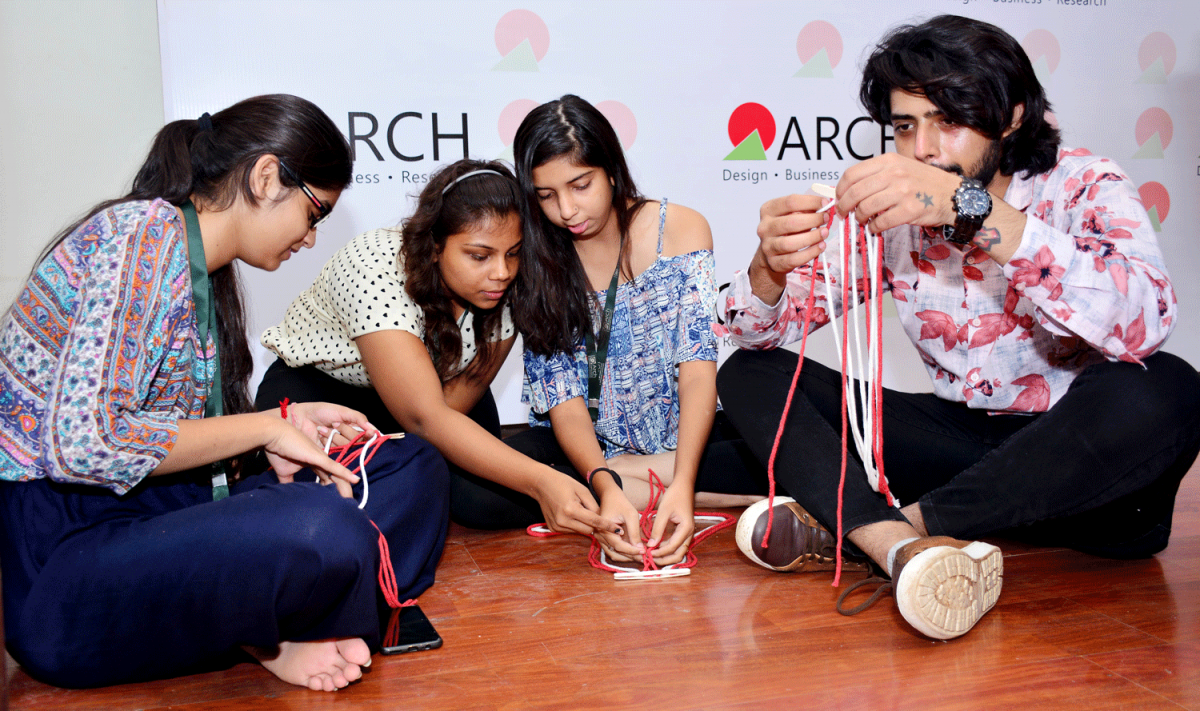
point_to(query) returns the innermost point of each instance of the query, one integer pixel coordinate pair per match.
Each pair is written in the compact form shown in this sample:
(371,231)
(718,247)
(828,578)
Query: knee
(315,534)
(732,377)
(335,536)
(1167,392)
(416,468)
(484,505)
(47,666)
(428,463)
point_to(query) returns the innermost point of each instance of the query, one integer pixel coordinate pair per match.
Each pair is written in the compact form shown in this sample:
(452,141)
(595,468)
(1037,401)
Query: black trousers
(728,466)
(1098,472)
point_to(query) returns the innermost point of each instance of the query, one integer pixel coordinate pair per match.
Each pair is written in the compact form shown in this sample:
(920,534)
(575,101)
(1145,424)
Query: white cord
(362,461)
(868,373)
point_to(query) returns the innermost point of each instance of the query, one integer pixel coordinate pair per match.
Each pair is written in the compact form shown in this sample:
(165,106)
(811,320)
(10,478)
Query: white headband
(464,176)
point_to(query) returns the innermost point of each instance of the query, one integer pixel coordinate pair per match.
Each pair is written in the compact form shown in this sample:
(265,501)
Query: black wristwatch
(972,205)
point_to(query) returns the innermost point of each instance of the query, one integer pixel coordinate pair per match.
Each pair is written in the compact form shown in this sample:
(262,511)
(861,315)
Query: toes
(355,651)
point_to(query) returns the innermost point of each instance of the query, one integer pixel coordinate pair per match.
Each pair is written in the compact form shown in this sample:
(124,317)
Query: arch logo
(1157,202)
(819,46)
(1153,133)
(511,116)
(1156,57)
(1044,51)
(752,131)
(522,39)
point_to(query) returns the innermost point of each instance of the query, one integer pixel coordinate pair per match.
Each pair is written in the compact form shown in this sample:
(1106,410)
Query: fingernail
(619,532)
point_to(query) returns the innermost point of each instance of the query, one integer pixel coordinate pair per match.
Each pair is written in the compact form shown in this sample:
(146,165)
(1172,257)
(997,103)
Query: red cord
(345,453)
(646,525)
(837,570)
(878,448)
(387,574)
(874,315)
(787,404)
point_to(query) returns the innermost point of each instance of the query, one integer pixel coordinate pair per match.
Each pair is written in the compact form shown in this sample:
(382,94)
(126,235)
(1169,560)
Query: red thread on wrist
(283,408)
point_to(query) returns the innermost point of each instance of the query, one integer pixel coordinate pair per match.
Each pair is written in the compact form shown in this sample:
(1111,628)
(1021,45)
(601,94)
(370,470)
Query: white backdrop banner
(721,105)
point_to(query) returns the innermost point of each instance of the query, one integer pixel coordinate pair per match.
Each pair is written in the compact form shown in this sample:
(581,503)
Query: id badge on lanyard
(205,306)
(597,349)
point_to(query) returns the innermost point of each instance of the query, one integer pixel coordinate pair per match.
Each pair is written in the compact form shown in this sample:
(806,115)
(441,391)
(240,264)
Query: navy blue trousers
(1098,472)
(103,589)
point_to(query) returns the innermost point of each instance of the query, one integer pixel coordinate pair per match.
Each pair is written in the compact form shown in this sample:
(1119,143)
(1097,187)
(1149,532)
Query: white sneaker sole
(943,591)
(745,527)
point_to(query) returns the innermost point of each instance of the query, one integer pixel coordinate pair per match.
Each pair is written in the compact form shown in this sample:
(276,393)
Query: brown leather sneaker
(944,585)
(798,544)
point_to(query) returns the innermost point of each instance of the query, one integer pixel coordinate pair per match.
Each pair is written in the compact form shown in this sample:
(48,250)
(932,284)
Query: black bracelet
(616,479)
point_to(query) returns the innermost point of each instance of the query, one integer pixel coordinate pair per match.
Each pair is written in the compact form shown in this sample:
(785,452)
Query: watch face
(973,201)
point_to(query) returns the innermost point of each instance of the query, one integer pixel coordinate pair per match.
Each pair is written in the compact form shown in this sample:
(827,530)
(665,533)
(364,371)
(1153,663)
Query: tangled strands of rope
(364,451)
(344,454)
(650,569)
(865,368)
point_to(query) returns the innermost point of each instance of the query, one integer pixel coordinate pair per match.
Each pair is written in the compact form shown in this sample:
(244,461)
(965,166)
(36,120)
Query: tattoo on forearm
(927,199)
(987,238)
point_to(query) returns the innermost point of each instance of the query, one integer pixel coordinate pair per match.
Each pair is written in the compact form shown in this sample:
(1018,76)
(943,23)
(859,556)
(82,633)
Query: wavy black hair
(211,162)
(445,208)
(552,305)
(976,74)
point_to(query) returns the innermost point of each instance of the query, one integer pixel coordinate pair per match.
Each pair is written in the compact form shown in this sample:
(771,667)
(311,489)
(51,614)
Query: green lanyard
(206,323)
(597,353)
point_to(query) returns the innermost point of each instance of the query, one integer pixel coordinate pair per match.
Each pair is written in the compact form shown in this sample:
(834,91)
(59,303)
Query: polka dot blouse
(359,291)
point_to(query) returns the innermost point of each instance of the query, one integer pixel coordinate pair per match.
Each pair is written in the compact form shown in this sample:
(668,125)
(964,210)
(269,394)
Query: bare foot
(321,666)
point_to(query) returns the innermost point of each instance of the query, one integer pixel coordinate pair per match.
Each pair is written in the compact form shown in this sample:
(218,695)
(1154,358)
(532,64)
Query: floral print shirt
(1086,283)
(100,355)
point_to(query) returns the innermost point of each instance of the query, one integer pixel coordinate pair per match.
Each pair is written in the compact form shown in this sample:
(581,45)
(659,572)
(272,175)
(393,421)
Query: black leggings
(1097,472)
(728,466)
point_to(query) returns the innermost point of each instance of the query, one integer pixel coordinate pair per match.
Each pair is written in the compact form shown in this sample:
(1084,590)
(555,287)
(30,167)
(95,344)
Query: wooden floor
(529,625)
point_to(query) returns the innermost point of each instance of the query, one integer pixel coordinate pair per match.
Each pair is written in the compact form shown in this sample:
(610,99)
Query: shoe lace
(874,577)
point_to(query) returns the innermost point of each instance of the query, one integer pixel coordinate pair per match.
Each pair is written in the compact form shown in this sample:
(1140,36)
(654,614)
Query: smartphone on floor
(407,629)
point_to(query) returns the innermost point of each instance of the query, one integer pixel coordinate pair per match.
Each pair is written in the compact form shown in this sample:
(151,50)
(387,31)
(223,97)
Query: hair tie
(204,123)
(464,176)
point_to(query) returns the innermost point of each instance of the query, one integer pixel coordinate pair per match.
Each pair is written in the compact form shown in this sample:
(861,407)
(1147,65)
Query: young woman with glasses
(135,542)
(410,325)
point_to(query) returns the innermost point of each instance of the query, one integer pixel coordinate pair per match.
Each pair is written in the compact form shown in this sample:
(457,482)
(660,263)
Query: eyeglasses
(323,210)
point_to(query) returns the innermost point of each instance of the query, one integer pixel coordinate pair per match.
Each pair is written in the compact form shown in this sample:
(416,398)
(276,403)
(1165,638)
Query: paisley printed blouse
(100,354)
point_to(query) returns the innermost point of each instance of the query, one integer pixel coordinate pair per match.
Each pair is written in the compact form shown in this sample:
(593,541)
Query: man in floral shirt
(1028,277)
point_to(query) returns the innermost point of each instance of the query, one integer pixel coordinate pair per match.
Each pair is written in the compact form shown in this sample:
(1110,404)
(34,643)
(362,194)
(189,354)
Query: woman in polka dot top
(410,326)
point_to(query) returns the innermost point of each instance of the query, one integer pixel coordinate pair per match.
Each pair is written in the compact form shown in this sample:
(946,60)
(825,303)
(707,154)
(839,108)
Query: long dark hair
(212,163)
(551,304)
(976,74)
(445,208)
